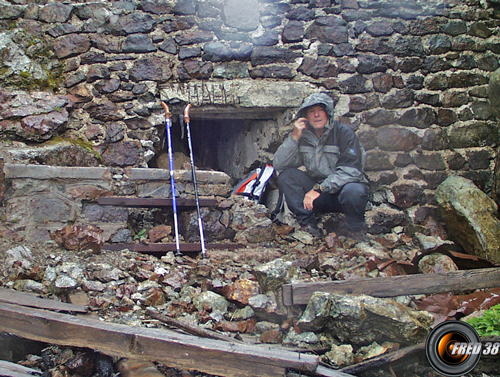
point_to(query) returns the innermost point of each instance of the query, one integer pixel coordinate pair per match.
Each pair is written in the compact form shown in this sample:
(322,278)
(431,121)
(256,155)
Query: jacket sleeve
(350,164)
(287,155)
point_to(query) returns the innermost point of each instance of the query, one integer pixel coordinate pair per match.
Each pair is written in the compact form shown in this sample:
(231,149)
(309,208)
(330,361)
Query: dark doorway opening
(211,139)
(230,140)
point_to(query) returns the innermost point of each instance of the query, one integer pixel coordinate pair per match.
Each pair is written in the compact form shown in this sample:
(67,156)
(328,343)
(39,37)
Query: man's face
(317,117)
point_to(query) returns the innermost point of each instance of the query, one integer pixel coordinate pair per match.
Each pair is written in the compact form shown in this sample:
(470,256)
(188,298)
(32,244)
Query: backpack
(254,184)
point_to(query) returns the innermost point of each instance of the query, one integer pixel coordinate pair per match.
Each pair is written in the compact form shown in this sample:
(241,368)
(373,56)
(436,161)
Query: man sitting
(334,180)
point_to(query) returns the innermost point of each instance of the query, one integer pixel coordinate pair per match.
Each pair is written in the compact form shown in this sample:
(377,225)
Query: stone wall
(44,199)
(410,76)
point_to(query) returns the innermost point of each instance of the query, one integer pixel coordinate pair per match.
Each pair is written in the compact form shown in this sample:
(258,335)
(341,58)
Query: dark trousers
(350,200)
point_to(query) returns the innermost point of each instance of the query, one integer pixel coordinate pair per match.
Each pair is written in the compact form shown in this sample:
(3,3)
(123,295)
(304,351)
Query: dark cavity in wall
(213,142)
(234,141)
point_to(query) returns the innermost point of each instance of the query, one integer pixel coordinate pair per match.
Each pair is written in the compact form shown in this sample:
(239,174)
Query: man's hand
(309,199)
(298,127)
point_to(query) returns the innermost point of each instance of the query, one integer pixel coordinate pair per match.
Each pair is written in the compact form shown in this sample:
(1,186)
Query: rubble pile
(237,293)
(80,100)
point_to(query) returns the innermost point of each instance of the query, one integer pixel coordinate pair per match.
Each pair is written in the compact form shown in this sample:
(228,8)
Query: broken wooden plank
(190,329)
(181,351)
(126,201)
(328,372)
(463,261)
(32,300)
(9,369)
(377,362)
(287,290)
(457,281)
(162,248)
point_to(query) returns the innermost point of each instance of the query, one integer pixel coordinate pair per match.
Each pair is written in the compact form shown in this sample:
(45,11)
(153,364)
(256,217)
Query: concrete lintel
(139,174)
(240,93)
(16,171)
(19,171)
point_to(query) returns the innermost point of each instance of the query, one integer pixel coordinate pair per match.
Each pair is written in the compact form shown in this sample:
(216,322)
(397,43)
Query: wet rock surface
(414,80)
(81,83)
(471,217)
(237,293)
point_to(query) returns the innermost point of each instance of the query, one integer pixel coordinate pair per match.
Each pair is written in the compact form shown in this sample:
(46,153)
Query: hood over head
(317,99)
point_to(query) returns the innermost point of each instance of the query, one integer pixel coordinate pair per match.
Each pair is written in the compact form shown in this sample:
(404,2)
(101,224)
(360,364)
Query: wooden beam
(190,329)
(288,294)
(8,369)
(126,201)
(185,352)
(162,248)
(458,281)
(324,371)
(32,300)
(377,362)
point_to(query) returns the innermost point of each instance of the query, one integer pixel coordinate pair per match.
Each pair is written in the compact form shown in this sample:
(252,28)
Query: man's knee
(286,176)
(354,193)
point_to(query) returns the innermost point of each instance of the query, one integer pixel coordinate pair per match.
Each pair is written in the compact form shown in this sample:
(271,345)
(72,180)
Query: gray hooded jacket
(333,160)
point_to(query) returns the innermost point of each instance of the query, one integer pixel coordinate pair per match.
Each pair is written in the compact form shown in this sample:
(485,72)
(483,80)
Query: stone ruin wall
(45,198)
(410,76)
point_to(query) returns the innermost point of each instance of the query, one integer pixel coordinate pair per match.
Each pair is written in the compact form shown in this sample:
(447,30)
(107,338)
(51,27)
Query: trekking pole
(193,172)
(168,124)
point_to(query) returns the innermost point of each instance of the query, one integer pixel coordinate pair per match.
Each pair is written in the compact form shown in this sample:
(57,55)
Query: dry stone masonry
(81,85)
(47,198)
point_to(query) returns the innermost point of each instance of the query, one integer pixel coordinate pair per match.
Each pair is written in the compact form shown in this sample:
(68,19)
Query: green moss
(80,143)
(52,83)
(45,53)
(38,50)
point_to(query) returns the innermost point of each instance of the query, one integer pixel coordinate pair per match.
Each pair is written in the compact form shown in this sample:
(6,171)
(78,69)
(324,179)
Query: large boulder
(470,217)
(362,319)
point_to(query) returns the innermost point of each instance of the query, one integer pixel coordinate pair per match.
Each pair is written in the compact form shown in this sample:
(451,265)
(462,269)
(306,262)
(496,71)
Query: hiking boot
(357,233)
(312,229)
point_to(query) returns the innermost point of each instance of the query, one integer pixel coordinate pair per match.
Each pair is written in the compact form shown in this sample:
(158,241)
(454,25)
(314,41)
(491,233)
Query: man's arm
(350,164)
(287,155)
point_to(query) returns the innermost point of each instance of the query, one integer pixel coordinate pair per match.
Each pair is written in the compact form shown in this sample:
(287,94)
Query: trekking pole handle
(186,113)
(167,110)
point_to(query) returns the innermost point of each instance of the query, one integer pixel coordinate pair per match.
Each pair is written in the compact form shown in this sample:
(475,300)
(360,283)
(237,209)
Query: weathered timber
(328,372)
(463,261)
(32,300)
(382,360)
(162,248)
(458,281)
(8,369)
(176,350)
(190,329)
(126,201)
